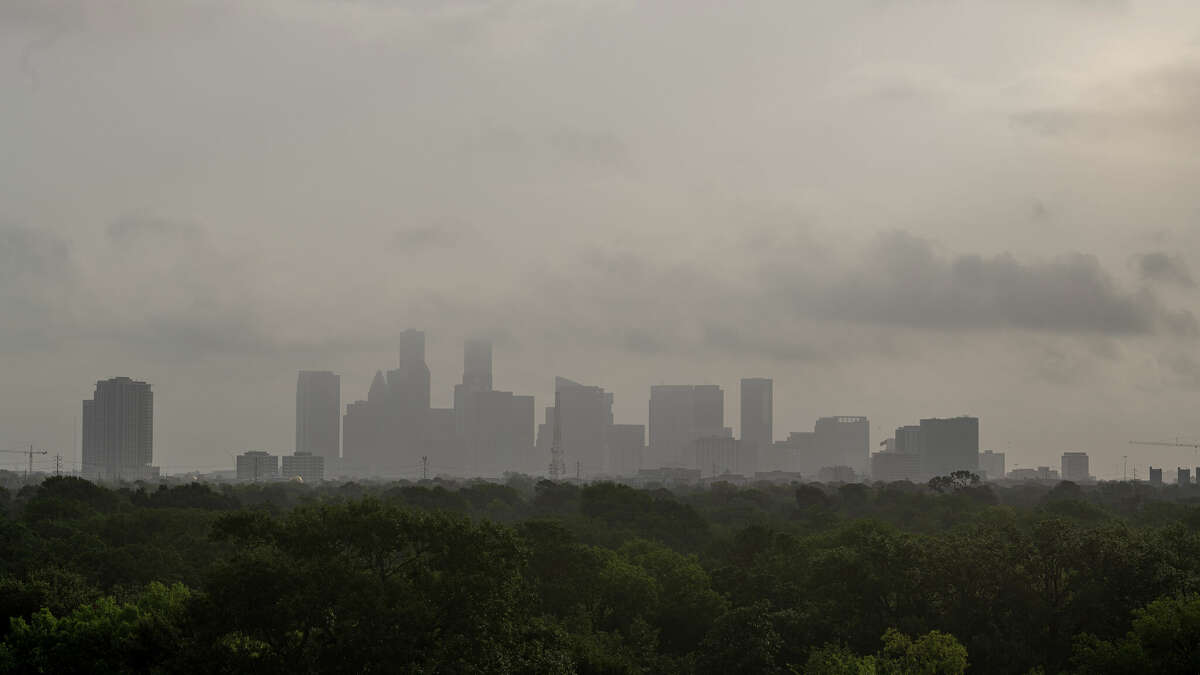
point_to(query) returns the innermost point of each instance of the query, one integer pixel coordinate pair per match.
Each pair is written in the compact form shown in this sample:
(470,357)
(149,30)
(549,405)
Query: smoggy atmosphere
(896,209)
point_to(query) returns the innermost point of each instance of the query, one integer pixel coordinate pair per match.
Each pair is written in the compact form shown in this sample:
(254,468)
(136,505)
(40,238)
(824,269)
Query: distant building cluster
(395,432)
(935,447)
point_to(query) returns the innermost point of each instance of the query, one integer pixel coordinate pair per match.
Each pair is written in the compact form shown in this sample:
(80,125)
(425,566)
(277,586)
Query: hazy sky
(895,208)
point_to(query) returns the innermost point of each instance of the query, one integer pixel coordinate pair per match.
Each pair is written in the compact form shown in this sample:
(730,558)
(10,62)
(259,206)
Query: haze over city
(893,209)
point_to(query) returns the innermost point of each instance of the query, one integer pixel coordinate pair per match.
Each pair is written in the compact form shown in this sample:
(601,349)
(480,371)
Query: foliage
(538,576)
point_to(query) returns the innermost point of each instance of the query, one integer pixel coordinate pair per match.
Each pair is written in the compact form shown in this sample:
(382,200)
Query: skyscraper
(626,445)
(318,413)
(582,416)
(409,383)
(840,441)
(949,445)
(477,365)
(758,418)
(118,431)
(680,414)
(368,441)
(408,387)
(496,427)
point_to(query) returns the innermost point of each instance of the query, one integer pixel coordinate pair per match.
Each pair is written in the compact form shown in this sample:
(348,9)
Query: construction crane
(1170,444)
(1174,444)
(28,451)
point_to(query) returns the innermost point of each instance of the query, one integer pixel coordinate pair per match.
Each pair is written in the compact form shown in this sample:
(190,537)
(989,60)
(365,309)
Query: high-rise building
(318,413)
(582,416)
(545,434)
(949,445)
(257,466)
(409,383)
(368,432)
(991,464)
(408,386)
(718,456)
(308,467)
(908,439)
(626,445)
(681,413)
(118,431)
(477,365)
(1183,476)
(496,427)
(758,419)
(1075,467)
(840,441)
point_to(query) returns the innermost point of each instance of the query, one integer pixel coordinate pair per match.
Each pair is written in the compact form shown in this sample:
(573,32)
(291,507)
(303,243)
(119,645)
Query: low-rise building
(257,466)
(890,467)
(308,467)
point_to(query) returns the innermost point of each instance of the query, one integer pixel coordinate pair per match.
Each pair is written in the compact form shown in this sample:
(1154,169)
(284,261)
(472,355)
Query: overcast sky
(895,208)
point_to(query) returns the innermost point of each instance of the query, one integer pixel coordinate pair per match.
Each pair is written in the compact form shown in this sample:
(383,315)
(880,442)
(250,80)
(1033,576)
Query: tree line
(533,576)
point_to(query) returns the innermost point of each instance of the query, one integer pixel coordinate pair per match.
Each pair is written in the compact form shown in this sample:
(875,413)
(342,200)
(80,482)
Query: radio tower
(558,468)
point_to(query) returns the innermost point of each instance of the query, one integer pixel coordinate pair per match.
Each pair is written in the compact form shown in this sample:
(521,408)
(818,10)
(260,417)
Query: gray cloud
(37,279)
(1164,268)
(1158,103)
(904,281)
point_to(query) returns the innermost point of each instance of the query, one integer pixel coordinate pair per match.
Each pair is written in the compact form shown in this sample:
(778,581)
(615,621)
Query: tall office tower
(679,414)
(949,445)
(626,444)
(368,434)
(908,440)
(840,441)
(1183,476)
(318,413)
(442,445)
(408,386)
(523,419)
(582,415)
(118,431)
(1075,467)
(496,427)
(409,383)
(992,464)
(477,365)
(545,435)
(758,418)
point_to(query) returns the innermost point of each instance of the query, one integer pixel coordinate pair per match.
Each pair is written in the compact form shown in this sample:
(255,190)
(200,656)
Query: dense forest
(542,577)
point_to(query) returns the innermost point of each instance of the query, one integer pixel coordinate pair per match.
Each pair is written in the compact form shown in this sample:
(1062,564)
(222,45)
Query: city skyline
(986,212)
